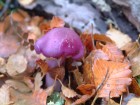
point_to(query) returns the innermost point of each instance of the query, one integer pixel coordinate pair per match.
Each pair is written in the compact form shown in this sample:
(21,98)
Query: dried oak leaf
(86,89)
(16,64)
(113,52)
(118,77)
(43,65)
(4,95)
(118,37)
(67,92)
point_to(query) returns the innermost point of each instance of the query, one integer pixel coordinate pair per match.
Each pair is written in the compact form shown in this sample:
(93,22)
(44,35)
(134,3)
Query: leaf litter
(104,72)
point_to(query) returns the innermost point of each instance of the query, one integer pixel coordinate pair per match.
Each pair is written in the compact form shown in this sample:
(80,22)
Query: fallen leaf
(112,102)
(56,22)
(78,77)
(134,87)
(4,95)
(118,37)
(113,52)
(134,101)
(86,89)
(38,81)
(119,77)
(39,97)
(16,64)
(67,92)
(43,65)
(127,97)
(57,71)
(81,100)
(18,85)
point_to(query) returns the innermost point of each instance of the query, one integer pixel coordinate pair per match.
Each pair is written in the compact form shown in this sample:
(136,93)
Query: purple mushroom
(59,43)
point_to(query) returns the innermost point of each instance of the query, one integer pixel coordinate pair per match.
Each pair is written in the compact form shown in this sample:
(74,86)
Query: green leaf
(55,99)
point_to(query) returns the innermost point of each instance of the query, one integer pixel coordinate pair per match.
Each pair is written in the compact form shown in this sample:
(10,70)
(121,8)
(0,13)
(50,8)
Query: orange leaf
(45,27)
(39,97)
(56,22)
(86,88)
(119,77)
(134,87)
(43,65)
(113,52)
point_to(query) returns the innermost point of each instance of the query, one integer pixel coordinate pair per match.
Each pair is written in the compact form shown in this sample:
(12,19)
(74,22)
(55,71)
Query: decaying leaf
(113,52)
(4,95)
(57,71)
(39,97)
(86,89)
(2,65)
(118,37)
(18,85)
(119,77)
(112,102)
(81,100)
(43,65)
(56,22)
(16,64)
(78,77)
(67,92)
(134,101)
(134,87)
(38,81)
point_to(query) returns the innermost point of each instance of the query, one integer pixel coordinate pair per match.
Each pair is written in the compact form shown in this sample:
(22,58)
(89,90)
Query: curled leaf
(69,93)
(86,88)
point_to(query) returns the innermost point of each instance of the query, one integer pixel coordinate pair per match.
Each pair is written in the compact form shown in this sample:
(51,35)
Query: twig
(121,99)
(99,87)
(6,6)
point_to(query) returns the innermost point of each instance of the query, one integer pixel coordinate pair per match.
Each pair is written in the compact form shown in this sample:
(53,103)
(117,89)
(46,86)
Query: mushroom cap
(60,42)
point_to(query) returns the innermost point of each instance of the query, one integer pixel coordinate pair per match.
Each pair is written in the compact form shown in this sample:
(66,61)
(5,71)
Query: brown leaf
(81,100)
(16,16)
(18,85)
(113,52)
(38,81)
(134,101)
(16,64)
(4,95)
(67,92)
(134,87)
(43,65)
(56,22)
(118,37)
(119,77)
(58,71)
(78,77)
(86,89)
(39,97)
